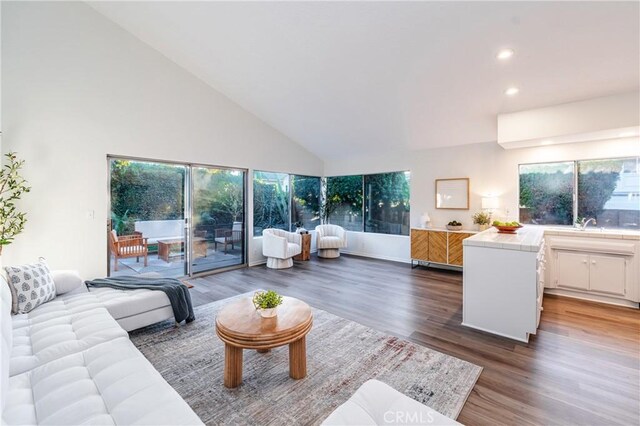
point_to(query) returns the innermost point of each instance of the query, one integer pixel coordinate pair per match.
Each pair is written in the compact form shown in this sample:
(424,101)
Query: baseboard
(592,297)
(389,258)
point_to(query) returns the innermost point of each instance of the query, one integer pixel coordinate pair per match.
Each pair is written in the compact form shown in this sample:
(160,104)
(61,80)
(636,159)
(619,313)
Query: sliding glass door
(172,220)
(218,204)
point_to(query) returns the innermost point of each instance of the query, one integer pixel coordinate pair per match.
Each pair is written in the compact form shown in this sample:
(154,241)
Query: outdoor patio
(175,267)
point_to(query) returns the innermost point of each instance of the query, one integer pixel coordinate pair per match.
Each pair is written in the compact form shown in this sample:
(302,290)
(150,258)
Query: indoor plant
(482,219)
(12,186)
(267,302)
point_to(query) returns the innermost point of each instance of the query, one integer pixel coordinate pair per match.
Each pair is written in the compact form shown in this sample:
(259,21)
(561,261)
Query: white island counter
(503,282)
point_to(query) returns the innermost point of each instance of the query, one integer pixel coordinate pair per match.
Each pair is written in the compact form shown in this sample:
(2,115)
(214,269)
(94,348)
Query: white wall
(491,169)
(76,88)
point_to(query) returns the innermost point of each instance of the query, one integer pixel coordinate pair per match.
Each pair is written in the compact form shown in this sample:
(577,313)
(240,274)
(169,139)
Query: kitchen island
(503,282)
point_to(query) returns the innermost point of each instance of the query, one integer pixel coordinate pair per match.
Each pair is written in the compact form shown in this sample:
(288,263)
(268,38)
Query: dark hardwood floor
(581,368)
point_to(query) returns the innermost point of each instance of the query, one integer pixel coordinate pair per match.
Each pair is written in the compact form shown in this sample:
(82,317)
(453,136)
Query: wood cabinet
(420,244)
(455,247)
(438,246)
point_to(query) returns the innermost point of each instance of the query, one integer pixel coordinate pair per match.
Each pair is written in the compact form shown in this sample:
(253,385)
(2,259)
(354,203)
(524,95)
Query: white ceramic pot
(484,227)
(268,313)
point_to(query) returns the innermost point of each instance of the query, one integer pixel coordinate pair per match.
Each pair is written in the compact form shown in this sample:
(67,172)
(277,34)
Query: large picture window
(387,203)
(305,201)
(270,201)
(607,190)
(376,203)
(344,202)
(546,193)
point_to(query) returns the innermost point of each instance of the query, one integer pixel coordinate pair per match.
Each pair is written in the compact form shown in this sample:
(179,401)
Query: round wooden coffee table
(240,327)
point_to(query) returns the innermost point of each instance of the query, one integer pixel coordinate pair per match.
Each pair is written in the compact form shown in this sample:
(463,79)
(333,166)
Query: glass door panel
(147,218)
(218,231)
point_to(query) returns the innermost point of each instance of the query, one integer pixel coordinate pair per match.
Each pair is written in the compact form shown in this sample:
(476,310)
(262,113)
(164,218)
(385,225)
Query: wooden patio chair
(228,237)
(123,246)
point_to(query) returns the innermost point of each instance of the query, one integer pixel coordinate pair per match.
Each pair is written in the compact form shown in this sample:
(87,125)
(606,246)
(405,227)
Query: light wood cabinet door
(438,246)
(420,244)
(455,247)
(607,274)
(572,270)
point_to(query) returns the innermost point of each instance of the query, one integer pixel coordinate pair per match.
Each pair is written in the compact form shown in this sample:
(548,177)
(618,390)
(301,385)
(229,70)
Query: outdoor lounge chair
(123,246)
(228,237)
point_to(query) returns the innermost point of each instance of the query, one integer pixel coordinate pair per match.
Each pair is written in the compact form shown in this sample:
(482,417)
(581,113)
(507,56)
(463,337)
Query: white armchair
(279,247)
(330,239)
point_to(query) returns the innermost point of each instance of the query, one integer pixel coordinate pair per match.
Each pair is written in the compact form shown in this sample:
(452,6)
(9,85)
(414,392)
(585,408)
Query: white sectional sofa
(376,403)
(69,362)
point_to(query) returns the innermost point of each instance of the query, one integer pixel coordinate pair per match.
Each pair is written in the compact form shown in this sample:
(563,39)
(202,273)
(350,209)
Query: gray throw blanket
(177,292)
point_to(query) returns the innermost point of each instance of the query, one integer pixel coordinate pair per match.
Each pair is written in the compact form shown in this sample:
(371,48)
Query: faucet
(582,224)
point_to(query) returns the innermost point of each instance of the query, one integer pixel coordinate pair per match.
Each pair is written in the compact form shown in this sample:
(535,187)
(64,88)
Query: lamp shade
(490,203)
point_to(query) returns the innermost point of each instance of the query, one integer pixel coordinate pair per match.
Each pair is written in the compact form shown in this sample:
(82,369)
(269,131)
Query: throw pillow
(31,285)
(66,281)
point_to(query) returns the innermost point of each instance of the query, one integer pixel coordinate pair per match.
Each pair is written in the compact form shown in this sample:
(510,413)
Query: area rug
(341,356)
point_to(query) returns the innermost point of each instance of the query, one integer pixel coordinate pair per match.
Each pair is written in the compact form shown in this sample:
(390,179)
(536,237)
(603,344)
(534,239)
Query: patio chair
(228,237)
(124,246)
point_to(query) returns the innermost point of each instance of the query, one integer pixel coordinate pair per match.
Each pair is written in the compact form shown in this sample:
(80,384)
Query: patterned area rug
(341,355)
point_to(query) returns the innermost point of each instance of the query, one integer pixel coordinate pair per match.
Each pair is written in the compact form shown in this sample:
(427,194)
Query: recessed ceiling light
(511,91)
(505,54)
(546,142)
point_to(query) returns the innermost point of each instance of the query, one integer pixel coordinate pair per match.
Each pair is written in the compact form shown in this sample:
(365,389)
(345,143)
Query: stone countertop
(621,234)
(528,238)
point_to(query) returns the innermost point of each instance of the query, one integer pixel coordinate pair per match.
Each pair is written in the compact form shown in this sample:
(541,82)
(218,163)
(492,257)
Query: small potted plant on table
(482,219)
(266,303)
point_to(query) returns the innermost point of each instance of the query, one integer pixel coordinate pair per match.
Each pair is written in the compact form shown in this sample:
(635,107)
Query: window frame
(364,203)
(290,197)
(574,195)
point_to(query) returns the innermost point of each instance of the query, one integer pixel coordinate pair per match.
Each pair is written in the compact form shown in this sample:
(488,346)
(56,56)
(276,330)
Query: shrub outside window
(344,202)
(305,201)
(270,201)
(387,203)
(563,193)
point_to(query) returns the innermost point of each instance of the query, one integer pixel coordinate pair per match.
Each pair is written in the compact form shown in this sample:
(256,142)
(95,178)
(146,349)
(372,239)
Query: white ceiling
(344,79)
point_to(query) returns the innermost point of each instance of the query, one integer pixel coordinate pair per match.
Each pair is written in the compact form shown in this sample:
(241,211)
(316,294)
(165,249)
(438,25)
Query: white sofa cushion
(376,403)
(126,303)
(66,281)
(64,326)
(109,384)
(31,285)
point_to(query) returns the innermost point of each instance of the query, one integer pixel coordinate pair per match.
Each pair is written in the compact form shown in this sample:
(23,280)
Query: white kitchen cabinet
(572,270)
(603,268)
(607,274)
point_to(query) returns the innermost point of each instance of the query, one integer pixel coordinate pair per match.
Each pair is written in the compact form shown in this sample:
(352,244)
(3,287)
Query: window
(270,201)
(387,203)
(344,202)
(305,201)
(546,193)
(381,199)
(607,190)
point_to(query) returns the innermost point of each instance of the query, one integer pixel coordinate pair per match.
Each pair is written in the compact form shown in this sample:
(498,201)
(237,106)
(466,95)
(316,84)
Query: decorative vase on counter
(483,227)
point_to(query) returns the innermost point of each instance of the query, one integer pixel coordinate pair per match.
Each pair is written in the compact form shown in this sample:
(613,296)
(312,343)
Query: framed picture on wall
(452,194)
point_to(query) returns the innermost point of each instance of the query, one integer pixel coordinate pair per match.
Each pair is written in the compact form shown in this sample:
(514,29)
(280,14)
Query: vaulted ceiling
(346,78)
